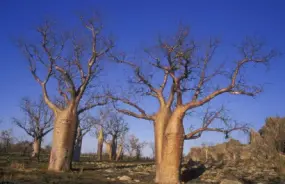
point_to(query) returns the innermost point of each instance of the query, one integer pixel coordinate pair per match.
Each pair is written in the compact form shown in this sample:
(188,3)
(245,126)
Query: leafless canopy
(38,119)
(114,124)
(189,70)
(87,122)
(134,146)
(72,59)
(225,124)
(6,139)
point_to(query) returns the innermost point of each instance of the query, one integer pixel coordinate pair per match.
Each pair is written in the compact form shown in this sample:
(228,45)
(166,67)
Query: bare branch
(68,79)
(142,115)
(46,132)
(93,60)
(38,118)
(94,101)
(209,119)
(23,126)
(252,54)
(203,79)
(142,79)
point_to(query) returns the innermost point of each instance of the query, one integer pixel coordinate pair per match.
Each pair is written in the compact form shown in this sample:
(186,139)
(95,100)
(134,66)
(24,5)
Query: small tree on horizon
(134,147)
(114,127)
(86,123)
(6,140)
(37,122)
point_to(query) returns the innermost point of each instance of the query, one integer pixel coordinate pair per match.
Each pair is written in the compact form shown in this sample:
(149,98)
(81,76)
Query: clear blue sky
(137,24)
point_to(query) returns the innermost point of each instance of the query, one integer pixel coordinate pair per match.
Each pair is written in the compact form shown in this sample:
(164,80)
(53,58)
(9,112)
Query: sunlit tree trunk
(119,153)
(36,148)
(159,128)
(172,151)
(109,150)
(65,126)
(100,145)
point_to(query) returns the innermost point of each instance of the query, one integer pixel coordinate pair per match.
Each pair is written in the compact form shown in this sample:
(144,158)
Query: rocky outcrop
(257,162)
(274,132)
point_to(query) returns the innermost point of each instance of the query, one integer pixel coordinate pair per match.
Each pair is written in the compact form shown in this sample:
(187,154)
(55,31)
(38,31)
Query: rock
(111,179)
(195,181)
(109,170)
(226,181)
(124,178)
(137,181)
(143,173)
(254,162)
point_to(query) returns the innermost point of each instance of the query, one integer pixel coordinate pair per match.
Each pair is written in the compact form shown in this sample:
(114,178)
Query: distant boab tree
(134,147)
(6,140)
(100,138)
(100,133)
(38,122)
(189,75)
(120,150)
(86,123)
(114,128)
(71,60)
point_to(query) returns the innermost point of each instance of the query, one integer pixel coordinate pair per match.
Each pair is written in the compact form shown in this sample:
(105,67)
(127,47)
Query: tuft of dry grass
(17,166)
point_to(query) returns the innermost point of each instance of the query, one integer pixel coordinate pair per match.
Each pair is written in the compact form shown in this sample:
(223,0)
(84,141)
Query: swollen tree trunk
(119,153)
(36,148)
(172,151)
(159,129)
(100,145)
(65,126)
(109,150)
(77,146)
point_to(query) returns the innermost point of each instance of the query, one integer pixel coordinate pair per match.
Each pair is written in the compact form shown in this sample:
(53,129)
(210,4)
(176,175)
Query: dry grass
(25,171)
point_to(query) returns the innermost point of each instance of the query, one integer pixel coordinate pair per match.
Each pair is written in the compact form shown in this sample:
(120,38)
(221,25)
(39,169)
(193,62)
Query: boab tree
(37,122)
(110,129)
(120,151)
(86,123)
(115,128)
(73,60)
(100,134)
(100,139)
(6,140)
(134,146)
(191,77)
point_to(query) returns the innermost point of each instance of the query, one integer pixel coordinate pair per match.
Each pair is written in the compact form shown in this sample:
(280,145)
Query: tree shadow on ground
(193,171)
